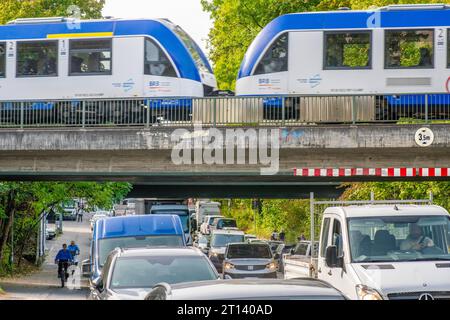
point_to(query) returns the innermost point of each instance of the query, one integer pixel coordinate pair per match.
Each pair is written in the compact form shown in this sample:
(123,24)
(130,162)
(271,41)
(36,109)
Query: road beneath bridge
(145,156)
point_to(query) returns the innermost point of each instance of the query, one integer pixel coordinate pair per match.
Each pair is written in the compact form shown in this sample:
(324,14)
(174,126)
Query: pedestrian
(80,215)
(282,236)
(274,235)
(302,237)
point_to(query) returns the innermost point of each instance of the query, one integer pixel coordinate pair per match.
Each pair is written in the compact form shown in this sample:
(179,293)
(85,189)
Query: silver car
(263,290)
(130,274)
(249,260)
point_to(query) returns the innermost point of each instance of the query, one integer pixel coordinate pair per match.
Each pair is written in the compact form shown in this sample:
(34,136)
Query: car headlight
(228,266)
(366,293)
(272,266)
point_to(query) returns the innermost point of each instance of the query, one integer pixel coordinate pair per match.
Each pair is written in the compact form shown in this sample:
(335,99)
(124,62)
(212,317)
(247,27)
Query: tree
(26,203)
(237,23)
(13,9)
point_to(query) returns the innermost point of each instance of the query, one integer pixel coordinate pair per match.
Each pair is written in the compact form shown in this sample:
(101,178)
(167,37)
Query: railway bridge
(295,161)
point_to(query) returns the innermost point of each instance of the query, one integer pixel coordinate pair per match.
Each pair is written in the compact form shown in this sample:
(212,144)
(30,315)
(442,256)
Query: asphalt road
(45,285)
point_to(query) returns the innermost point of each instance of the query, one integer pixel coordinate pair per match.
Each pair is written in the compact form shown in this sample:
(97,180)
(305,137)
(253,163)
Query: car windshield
(108,245)
(146,272)
(222,240)
(183,214)
(255,251)
(392,239)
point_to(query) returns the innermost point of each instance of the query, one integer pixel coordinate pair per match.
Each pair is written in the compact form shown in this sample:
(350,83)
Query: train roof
(396,16)
(160,29)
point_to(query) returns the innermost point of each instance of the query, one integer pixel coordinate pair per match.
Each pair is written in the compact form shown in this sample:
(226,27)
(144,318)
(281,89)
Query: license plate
(250,268)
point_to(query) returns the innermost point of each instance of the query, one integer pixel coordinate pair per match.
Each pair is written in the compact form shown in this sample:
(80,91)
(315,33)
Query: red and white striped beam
(372,172)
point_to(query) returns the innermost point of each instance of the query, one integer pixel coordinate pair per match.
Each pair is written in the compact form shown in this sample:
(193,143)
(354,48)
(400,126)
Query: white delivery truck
(383,252)
(206,208)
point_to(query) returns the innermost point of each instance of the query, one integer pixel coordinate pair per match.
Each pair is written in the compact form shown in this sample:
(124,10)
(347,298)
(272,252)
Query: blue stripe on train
(169,103)
(418,100)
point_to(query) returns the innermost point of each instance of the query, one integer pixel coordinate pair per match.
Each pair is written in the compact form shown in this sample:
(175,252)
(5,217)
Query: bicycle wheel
(62,275)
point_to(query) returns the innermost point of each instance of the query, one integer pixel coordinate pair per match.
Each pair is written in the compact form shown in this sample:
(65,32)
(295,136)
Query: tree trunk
(10,209)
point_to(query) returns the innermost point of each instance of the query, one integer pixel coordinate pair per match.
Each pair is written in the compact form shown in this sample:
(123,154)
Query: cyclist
(62,259)
(74,251)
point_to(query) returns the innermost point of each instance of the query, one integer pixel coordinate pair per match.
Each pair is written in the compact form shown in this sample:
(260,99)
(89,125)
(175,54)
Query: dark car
(224,223)
(299,289)
(249,260)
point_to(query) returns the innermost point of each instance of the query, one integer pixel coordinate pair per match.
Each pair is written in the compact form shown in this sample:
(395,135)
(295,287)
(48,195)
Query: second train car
(399,49)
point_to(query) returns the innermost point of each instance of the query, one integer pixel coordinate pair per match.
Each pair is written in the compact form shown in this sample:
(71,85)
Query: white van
(386,252)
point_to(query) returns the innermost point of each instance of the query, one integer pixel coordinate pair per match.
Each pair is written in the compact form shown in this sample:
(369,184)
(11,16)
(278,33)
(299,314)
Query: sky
(186,13)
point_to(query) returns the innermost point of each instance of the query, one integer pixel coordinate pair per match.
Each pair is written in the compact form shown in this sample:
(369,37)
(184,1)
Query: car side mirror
(292,251)
(331,259)
(276,256)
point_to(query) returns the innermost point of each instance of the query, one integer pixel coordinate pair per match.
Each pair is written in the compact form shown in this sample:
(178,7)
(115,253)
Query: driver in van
(416,240)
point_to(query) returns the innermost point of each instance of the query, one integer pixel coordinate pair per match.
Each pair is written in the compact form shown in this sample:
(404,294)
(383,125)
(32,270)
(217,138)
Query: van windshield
(105,246)
(396,239)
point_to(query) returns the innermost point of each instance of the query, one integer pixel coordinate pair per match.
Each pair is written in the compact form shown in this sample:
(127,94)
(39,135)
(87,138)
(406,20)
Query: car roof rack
(39,20)
(426,6)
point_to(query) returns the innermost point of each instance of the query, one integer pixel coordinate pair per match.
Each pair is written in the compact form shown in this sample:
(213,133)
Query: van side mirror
(86,268)
(331,259)
(97,283)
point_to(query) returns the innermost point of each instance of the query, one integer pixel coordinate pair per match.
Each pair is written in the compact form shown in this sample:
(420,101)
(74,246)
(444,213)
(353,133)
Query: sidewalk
(45,283)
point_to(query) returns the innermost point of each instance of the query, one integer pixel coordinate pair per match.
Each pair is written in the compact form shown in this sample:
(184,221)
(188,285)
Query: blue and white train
(62,58)
(399,49)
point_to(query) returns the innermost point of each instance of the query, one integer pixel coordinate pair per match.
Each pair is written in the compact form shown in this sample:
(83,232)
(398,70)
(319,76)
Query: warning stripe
(375,172)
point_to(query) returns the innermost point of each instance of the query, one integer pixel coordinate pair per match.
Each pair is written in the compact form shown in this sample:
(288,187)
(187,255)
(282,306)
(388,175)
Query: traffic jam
(182,252)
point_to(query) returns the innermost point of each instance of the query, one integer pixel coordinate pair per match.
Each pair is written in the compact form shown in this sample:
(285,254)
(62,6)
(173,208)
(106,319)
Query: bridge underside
(144,157)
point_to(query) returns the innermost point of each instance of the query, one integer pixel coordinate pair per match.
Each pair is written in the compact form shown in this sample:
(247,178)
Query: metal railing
(226,111)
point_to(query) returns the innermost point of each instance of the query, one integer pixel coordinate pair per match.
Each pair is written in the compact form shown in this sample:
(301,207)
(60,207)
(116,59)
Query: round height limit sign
(424,137)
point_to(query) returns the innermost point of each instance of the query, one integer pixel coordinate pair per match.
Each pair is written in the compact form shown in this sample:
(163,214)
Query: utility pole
(12,239)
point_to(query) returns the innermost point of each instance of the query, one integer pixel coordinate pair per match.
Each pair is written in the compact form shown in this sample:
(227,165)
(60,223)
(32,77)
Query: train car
(45,59)
(394,50)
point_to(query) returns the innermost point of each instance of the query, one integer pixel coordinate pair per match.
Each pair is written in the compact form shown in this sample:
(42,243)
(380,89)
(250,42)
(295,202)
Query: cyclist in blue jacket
(74,250)
(62,259)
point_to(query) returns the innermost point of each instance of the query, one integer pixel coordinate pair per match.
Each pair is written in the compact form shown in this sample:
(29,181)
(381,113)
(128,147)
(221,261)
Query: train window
(156,61)
(90,57)
(448,48)
(276,58)
(37,59)
(348,50)
(409,49)
(194,49)
(2,60)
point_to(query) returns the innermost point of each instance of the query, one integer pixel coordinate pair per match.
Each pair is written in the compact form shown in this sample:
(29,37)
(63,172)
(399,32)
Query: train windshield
(194,50)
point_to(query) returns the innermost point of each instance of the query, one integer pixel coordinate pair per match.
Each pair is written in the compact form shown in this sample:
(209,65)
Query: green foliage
(13,9)
(356,55)
(400,190)
(237,23)
(291,216)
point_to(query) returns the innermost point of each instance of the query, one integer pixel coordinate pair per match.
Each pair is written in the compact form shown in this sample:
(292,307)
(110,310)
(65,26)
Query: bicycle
(63,266)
